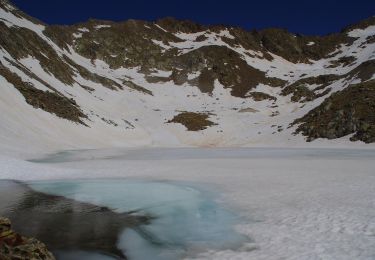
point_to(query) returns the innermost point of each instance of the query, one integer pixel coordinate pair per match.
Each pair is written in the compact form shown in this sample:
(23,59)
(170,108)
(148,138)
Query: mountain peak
(140,81)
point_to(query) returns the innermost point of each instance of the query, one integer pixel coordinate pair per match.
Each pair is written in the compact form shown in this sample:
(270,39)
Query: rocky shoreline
(64,225)
(15,246)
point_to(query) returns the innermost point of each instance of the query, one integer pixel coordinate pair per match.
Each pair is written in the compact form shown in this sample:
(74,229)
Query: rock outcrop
(14,246)
(351,111)
(193,121)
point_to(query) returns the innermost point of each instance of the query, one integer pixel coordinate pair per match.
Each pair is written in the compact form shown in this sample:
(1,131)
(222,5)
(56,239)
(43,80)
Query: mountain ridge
(132,80)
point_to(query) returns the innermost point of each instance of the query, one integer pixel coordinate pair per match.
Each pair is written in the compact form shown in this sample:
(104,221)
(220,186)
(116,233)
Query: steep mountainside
(173,82)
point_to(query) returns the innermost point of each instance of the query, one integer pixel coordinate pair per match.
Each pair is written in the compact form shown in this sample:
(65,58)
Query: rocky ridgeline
(14,246)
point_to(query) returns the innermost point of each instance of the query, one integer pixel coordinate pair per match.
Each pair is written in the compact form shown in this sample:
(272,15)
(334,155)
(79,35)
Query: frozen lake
(226,203)
(183,218)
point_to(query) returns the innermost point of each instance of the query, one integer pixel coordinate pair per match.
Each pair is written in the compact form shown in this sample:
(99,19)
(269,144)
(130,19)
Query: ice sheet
(186,220)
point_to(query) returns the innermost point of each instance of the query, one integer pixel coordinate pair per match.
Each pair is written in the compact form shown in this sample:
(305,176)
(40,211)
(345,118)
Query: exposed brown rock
(226,66)
(111,84)
(364,71)
(15,246)
(134,86)
(22,43)
(51,102)
(301,93)
(260,96)
(351,111)
(173,25)
(360,25)
(344,61)
(193,121)
(296,48)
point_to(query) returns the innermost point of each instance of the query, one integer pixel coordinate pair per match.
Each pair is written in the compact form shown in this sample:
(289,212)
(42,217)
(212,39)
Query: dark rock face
(49,101)
(344,61)
(133,39)
(186,26)
(260,96)
(300,93)
(361,25)
(232,71)
(16,246)
(22,42)
(193,121)
(351,111)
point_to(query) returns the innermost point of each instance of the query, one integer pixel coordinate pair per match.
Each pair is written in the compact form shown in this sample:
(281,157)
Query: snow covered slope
(135,83)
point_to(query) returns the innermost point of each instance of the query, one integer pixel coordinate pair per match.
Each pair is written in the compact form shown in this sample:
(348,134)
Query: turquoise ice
(186,220)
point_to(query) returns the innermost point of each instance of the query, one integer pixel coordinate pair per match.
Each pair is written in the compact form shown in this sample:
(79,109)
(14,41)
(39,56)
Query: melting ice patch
(186,219)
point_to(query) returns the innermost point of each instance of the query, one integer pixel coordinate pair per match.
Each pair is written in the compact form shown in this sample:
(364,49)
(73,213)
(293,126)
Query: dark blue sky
(306,17)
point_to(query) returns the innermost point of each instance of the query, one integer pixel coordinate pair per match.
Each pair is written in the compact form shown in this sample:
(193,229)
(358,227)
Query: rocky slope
(102,83)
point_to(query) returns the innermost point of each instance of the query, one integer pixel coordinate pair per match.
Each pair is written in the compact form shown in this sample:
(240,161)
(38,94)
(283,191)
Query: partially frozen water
(304,202)
(186,220)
